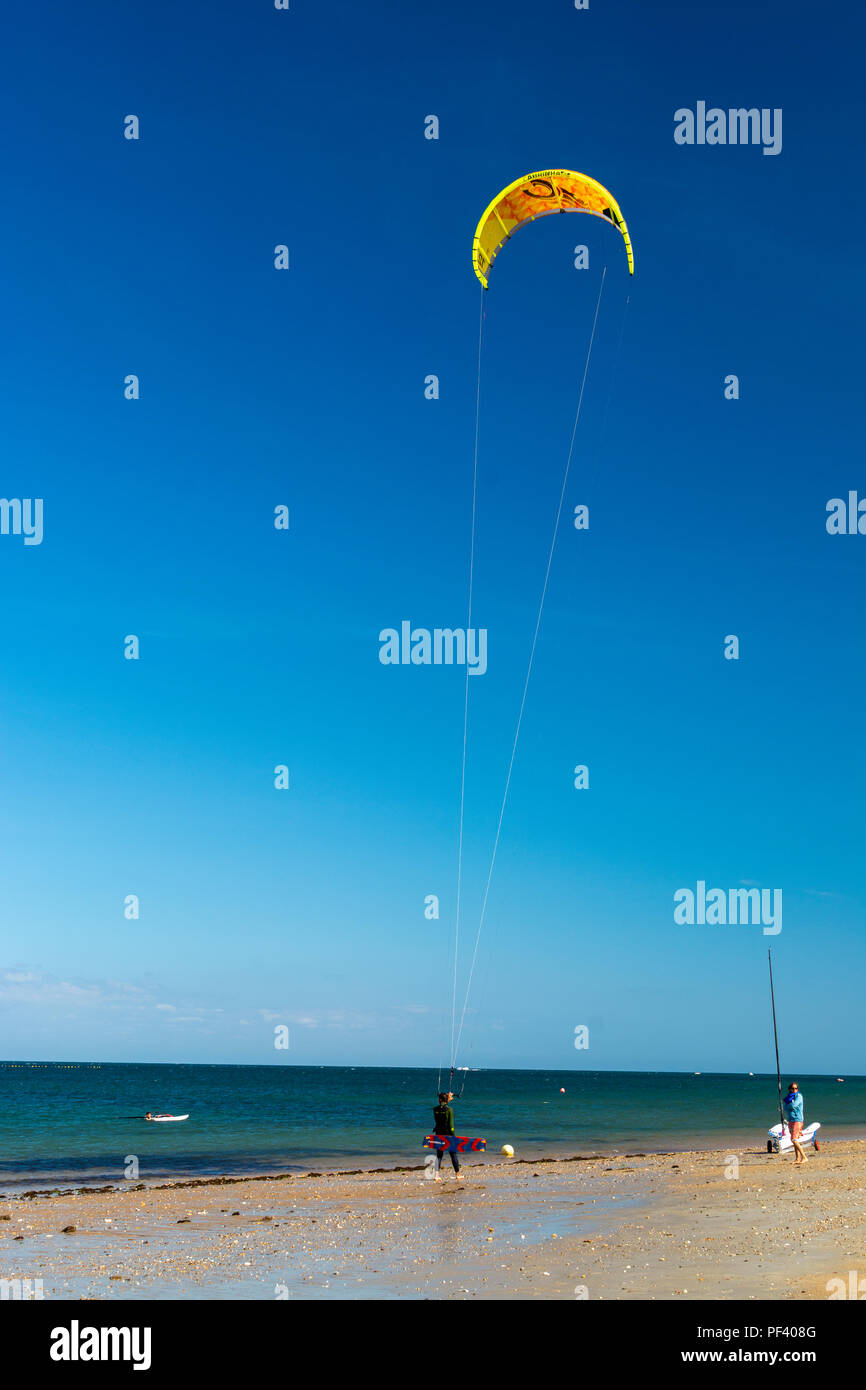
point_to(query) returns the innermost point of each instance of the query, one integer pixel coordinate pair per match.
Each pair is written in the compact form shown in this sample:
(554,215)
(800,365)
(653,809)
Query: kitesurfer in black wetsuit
(443,1123)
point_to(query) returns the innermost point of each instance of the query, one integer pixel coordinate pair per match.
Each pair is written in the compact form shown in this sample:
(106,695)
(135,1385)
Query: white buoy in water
(507,1151)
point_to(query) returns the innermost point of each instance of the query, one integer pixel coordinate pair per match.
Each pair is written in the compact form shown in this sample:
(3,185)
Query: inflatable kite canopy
(536,195)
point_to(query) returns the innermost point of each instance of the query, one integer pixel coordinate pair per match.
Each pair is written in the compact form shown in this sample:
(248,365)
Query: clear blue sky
(306,388)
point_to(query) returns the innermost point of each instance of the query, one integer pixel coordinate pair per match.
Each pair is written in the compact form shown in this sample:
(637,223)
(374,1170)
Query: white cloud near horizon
(28,990)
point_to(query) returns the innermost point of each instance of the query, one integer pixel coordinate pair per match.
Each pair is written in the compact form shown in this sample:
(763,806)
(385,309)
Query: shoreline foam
(66,1186)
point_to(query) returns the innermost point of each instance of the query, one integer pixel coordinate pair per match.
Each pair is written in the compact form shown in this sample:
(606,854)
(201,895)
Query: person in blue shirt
(792,1105)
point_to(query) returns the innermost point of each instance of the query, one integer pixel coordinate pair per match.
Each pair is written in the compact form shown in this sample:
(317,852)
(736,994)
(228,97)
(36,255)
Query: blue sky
(305,388)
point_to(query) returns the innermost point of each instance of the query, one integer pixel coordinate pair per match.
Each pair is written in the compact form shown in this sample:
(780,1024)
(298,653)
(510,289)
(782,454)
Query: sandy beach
(701,1225)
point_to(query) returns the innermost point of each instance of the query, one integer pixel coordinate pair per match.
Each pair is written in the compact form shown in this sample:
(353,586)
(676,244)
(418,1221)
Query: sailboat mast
(776,1037)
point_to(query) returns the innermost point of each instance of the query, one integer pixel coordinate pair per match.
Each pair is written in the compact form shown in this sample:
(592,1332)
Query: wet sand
(708,1225)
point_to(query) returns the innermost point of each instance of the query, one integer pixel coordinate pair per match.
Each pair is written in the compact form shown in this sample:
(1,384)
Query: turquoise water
(62,1122)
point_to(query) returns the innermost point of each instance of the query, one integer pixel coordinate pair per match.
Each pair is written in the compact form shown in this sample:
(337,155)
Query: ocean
(81,1123)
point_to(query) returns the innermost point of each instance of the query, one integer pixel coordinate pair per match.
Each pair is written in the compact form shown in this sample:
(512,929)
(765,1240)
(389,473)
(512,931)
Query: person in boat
(443,1123)
(148,1116)
(792,1105)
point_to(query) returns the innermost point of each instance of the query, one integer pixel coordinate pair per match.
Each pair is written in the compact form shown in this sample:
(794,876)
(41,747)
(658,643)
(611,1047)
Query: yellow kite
(535,195)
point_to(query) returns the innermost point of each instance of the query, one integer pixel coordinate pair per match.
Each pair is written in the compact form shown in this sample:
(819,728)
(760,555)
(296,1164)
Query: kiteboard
(162,1119)
(454,1143)
(779,1140)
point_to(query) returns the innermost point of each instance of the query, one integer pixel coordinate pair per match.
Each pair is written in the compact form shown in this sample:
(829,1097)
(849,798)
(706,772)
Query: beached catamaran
(779,1136)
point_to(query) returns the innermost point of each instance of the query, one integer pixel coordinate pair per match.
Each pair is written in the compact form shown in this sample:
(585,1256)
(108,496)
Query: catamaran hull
(779,1140)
